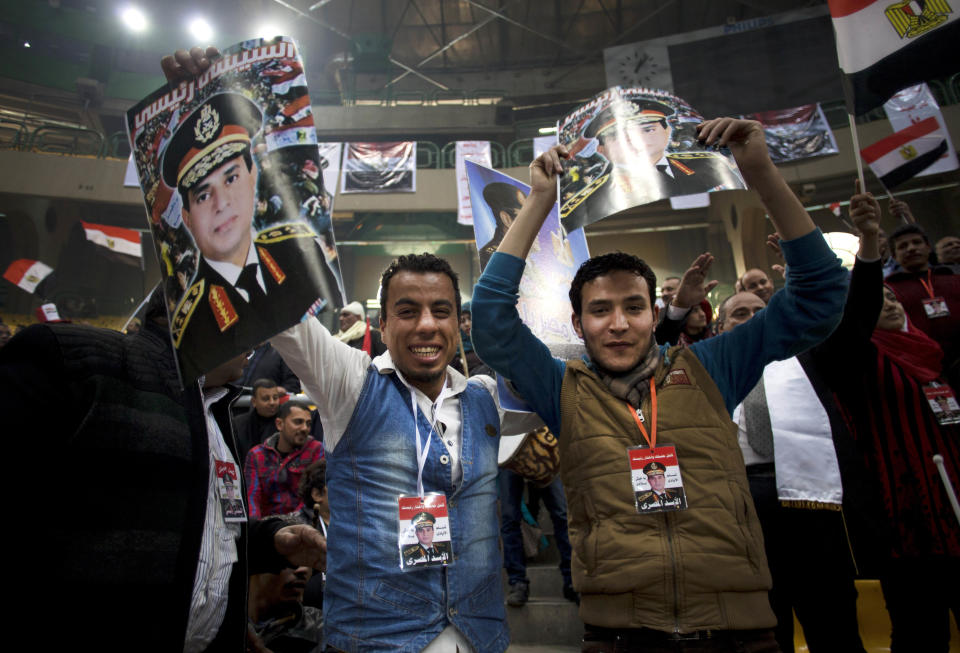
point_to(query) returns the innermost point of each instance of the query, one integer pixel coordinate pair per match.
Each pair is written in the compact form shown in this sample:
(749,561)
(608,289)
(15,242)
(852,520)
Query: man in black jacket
(118,461)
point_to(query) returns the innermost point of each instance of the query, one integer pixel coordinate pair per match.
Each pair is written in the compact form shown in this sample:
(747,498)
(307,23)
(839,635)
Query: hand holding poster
(229,168)
(631,147)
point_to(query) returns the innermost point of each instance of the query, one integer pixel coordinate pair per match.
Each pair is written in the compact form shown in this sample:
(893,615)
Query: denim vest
(370,604)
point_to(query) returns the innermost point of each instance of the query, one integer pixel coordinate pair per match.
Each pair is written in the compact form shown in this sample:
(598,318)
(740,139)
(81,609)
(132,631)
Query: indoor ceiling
(369,45)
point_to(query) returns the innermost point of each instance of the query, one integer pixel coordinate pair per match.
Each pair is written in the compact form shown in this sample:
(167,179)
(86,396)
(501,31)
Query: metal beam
(322,23)
(517,23)
(443,48)
(414,71)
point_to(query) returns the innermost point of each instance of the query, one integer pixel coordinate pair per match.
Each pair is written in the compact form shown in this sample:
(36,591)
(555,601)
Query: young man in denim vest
(373,414)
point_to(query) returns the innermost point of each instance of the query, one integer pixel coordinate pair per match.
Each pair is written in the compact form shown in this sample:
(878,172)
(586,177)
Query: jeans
(511,495)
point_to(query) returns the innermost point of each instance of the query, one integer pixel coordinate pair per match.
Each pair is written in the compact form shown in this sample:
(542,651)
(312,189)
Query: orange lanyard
(652,437)
(928,284)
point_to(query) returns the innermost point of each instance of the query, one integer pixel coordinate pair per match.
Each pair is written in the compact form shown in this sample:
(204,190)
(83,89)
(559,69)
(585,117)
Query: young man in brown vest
(694,570)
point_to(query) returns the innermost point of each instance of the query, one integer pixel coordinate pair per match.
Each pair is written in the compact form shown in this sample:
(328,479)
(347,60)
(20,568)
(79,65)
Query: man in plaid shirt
(273,469)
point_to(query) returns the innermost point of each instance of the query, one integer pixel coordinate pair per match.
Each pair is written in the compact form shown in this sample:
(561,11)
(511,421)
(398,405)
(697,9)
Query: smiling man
(930,294)
(248,285)
(401,425)
(650,578)
(273,469)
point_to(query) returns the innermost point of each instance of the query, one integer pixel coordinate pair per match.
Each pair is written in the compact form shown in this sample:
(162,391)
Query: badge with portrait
(231,175)
(656,481)
(943,403)
(423,532)
(935,307)
(228,492)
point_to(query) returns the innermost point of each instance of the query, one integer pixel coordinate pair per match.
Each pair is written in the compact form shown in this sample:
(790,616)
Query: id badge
(228,492)
(656,480)
(943,403)
(423,533)
(935,307)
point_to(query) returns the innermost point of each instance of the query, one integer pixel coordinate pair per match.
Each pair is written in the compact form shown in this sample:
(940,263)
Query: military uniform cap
(423,518)
(218,130)
(654,469)
(627,111)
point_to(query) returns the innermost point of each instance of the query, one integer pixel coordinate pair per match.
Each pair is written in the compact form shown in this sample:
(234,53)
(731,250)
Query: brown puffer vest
(695,569)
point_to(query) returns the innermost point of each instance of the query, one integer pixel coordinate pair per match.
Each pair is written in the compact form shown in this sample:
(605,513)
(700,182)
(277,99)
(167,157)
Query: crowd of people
(718,471)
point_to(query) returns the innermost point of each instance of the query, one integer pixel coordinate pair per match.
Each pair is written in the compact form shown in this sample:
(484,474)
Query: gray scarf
(633,386)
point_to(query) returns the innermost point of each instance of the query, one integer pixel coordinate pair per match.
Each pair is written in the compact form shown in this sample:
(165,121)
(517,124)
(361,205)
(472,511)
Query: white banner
(478,152)
(543,143)
(330,154)
(910,106)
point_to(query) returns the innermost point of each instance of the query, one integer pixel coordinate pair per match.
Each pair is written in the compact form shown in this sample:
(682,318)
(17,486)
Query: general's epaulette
(271,264)
(567,207)
(284,231)
(644,496)
(223,310)
(679,166)
(184,311)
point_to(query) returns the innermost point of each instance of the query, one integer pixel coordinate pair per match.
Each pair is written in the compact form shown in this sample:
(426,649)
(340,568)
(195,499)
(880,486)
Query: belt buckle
(694,636)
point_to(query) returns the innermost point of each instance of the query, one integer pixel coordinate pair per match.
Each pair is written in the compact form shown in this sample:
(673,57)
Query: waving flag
(27,273)
(904,154)
(885,46)
(115,239)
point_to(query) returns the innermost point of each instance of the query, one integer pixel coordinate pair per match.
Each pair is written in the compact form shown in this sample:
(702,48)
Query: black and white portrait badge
(228,492)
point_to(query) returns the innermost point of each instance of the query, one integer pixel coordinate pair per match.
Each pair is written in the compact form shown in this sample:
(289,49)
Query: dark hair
(599,266)
(314,477)
(185,193)
(419,264)
(287,406)
(501,196)
(263,383)
(904,230)
(156,310)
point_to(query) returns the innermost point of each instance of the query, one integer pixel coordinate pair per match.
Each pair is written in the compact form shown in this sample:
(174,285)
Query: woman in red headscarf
(886,376)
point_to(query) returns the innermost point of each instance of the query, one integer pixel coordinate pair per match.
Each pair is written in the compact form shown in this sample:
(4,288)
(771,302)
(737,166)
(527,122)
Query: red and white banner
(116,239)
(797,133)
(910,106)
(478,152)
(884,46)
(27,273)
(903,155)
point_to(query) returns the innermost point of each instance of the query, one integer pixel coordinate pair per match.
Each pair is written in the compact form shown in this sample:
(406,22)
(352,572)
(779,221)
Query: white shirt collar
(384,365)
(231,272)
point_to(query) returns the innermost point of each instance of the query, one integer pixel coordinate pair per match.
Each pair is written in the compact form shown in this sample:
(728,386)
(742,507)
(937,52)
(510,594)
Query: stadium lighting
(545,131)
(134,19)
(26,44)
(268,31)
(200,29)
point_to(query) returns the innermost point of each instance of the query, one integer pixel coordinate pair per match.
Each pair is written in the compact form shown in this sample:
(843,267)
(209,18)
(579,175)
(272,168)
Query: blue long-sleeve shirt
(802,314)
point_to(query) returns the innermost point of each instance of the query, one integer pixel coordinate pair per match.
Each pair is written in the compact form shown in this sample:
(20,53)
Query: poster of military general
(231,177)
(633,146)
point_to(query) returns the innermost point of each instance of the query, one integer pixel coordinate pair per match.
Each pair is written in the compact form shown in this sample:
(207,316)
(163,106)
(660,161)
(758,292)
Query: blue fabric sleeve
(506,344)
(797,317)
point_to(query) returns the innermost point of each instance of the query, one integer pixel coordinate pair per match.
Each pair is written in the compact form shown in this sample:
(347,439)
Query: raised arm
(748,144)
(543,195)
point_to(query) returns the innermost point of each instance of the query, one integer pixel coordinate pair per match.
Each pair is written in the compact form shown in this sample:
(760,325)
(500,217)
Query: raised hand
(184,64)
(692,288)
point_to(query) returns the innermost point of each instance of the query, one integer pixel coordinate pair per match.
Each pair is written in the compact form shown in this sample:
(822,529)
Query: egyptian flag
(27,273)
(884,46)
(123,242)
(904,154)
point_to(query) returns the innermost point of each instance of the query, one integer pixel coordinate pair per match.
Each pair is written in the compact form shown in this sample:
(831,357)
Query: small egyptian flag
(904,154)
(835,209)
(118,240)
(27,273)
